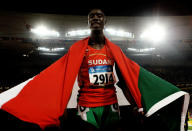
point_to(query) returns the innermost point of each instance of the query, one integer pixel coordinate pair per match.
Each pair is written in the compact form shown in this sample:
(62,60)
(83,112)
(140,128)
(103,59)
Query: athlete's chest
(94,57)
(100,66)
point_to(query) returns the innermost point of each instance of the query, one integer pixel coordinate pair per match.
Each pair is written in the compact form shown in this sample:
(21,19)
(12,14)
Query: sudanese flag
(43,98)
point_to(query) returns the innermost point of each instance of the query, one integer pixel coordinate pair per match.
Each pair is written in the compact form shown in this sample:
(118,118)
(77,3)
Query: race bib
(101,75)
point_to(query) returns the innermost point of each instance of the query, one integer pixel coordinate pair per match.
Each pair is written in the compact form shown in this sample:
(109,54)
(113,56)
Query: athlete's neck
(97,39)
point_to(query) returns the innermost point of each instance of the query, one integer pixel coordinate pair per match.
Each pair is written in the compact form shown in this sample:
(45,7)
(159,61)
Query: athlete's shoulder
(80,43)
(111,44)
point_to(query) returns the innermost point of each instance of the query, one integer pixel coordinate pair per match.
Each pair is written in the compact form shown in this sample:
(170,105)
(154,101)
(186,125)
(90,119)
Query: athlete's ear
(88,22)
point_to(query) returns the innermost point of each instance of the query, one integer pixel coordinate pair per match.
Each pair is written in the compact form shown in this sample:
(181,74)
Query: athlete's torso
(96,79)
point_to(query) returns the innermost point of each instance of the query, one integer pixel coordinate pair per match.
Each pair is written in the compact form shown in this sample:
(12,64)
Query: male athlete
(97,100)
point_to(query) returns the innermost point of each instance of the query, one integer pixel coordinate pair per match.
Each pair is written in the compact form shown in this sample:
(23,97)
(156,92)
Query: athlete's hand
(139,114)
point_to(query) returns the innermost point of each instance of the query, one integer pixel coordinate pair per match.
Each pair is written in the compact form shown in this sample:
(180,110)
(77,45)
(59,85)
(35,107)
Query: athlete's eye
(99,15)
(91,16)
(96,14)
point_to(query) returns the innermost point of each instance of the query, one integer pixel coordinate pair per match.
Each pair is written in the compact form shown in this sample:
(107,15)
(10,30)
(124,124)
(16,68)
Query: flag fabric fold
(43,99)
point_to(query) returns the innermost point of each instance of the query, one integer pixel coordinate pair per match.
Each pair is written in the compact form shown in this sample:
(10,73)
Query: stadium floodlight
(57,49)
(132,49)
(43,31)
(155,33)
(110,31)
(50,54)
(78,33)
(50,49)
(146,49)
(141,50)
(43,49)
(119,33)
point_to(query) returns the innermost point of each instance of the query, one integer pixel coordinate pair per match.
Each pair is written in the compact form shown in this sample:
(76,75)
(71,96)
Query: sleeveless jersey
(96,79)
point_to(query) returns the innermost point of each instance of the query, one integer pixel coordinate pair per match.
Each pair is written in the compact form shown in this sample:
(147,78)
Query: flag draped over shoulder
(43,98)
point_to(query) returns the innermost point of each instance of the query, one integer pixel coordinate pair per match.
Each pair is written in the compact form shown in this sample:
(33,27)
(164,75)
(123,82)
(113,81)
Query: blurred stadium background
(158,36)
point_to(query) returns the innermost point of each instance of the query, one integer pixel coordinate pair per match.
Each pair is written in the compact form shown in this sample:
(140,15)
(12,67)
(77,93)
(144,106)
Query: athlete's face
(96,19)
